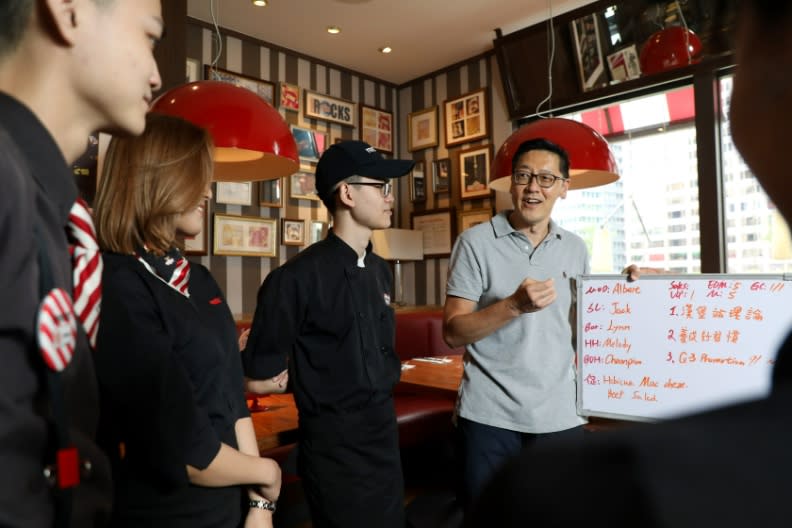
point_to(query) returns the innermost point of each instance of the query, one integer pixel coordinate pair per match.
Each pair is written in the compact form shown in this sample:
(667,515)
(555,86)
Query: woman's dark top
(171,385)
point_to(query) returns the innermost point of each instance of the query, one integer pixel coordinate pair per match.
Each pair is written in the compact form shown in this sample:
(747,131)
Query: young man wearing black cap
(327,310)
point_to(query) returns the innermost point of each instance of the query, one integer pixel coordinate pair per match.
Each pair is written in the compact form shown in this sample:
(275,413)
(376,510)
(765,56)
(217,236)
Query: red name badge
(56,329)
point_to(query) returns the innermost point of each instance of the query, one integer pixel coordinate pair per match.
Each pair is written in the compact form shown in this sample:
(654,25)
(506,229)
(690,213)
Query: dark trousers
(484,448)
(351,469)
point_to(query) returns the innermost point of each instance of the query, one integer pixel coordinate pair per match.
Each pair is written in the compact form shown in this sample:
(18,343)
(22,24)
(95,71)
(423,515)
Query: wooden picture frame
(198,245)
(319,106)
(289,97)
(466,118)
(422,129)
(418,182)
(376,128)
(441,175)
(306,143)
(317,230)
(471,217)
(474,172)
(234,193)
(248,236)
(292,232)
(271,193)
(438,231)
(302,186)
(588,52)
(264,89)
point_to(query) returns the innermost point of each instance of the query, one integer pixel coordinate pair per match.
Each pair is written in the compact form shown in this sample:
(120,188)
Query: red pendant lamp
(669,48)
(252,141)
(591,162)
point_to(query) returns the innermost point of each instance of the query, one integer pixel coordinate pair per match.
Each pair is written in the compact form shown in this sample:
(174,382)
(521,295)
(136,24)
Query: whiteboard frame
(580,281)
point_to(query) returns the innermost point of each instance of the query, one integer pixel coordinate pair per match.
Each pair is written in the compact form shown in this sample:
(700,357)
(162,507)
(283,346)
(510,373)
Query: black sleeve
(235,376)
(274,328)
(23,432)
(146,386)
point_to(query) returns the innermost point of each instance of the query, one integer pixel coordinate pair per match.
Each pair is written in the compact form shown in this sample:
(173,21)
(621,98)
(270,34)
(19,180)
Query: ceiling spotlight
(333,30)
(386,49)
(260,3)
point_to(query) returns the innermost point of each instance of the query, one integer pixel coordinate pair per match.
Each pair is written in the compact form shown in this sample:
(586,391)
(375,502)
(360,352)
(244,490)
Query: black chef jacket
(333,320)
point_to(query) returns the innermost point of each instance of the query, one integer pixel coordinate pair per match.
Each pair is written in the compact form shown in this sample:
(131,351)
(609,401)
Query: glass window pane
(650,216)
(757,237)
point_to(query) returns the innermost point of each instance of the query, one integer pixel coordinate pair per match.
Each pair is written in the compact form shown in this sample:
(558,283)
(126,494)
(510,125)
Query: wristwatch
(262,504)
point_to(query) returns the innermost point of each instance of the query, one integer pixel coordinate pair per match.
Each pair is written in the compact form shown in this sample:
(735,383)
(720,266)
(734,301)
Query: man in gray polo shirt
(511,301)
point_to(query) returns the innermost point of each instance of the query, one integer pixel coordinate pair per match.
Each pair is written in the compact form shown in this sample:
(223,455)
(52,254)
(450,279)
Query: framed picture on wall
(588,52)
(441,172)
(302,185)
(293,232)
(234,193)
(264,89)
(624,64)
(376,128)
(193,70)
(321,141)
(474,172)
(466,118)
(306,143)
(289,97)
(437,229)
(271,193)
(317,230)
(320,106)
(422,129)
(471,217)
(245,236)
(418,182)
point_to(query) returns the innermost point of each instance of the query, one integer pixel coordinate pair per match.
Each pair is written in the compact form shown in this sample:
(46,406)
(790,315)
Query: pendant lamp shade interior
(252,141)
(591,161)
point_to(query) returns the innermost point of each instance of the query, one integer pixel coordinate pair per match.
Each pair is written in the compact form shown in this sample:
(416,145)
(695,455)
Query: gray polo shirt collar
(502,227)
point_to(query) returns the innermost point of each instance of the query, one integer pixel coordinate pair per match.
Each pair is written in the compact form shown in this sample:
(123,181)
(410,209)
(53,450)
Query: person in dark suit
(727,467)
(67,69)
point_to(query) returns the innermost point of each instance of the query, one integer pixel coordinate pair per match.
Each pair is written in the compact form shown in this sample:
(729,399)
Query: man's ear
(61,18)
(345,196)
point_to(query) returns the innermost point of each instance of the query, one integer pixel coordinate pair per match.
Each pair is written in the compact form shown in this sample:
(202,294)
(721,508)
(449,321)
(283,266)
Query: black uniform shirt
(38,191)
(171,383)
(332,320)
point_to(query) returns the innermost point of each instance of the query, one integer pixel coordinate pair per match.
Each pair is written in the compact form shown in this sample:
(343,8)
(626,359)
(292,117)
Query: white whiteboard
(667,345)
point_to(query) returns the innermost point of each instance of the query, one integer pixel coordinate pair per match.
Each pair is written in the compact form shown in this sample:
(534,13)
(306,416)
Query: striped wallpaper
(424,282)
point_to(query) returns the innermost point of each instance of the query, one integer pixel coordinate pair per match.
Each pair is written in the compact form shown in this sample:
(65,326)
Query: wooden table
(439,376)
(276,421)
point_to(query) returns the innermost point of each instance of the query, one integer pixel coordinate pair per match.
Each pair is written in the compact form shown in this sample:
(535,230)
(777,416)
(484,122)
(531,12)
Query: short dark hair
(15,15)
(543,144)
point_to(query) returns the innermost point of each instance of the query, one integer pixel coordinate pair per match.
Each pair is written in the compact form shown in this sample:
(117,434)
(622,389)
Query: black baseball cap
(355,158)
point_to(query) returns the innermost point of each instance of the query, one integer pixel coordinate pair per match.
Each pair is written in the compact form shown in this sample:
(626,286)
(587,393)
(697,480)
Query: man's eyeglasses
(384,187)
(544,179)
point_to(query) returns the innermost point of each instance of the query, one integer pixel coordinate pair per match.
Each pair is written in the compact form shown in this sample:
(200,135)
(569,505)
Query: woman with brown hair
(174,418)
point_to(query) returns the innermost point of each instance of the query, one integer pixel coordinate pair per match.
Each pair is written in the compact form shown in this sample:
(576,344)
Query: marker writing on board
(563,274)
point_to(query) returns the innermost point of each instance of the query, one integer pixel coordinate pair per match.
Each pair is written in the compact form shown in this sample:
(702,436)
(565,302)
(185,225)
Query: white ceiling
(426,35)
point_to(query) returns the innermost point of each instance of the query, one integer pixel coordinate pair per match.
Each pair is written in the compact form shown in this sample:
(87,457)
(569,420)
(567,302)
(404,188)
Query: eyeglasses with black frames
(384,187)
(543,179)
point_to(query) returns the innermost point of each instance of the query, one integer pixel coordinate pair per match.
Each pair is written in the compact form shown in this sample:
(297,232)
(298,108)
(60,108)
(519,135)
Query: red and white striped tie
(181,277)
(86,268)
